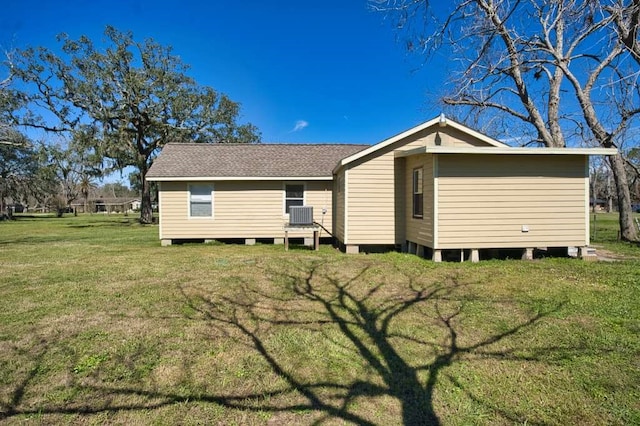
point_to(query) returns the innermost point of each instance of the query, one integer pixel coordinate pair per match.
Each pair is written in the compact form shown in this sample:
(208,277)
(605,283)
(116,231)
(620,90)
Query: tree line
(108,108)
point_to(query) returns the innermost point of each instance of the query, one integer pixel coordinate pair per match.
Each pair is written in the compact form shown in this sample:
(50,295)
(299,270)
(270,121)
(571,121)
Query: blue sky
(322,71)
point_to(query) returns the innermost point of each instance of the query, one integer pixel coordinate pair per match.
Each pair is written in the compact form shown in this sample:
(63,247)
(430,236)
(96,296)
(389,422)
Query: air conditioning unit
(301,215)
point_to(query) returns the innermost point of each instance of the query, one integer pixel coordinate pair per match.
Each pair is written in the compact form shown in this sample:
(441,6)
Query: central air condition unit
(300,215)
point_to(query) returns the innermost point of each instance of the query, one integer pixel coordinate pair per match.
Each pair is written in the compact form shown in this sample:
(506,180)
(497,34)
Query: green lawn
(99,324)
(604,233)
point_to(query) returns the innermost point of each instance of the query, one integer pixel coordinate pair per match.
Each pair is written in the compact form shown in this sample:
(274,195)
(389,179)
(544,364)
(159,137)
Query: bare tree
(568,69)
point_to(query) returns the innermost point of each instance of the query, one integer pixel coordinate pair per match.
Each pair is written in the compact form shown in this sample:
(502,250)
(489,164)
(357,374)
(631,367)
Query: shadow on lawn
(366,324)
(363,315)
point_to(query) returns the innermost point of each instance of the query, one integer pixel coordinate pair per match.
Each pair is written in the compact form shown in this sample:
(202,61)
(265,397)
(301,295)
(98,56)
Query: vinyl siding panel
(485,200)
(240,210)
(418,230)
(376,198)
(339,196)
(371,201)
(372,196)
(446,136)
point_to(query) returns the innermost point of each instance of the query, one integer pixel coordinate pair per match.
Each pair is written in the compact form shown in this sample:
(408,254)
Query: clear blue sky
(321,71)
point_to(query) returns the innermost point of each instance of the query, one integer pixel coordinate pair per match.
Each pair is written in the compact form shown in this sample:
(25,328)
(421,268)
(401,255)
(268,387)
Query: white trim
(346,207)
(436,212)
(416,129)
(233,178)
(503,151)
(587,230)
(189,204)
(159,209)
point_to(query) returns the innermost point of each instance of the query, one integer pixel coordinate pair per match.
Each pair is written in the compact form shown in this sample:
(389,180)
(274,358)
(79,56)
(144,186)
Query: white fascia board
(508,150)
(235,178)
(385,143)
(416,129)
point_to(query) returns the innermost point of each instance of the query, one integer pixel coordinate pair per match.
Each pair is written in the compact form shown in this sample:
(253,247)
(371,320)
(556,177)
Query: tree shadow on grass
(366,322)
(319,297)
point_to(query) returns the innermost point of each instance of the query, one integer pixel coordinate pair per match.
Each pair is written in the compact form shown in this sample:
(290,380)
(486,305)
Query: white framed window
(418,198)
(293,195)
(201,200)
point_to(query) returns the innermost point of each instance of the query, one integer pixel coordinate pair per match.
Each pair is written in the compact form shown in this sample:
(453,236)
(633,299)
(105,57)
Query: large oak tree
(565,71)
(130,97)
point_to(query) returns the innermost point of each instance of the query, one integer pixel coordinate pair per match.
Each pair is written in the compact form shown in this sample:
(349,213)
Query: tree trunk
(146,211)
(628,230)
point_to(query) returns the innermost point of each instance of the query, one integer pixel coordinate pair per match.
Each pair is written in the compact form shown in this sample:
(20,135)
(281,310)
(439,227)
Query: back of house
(242,191)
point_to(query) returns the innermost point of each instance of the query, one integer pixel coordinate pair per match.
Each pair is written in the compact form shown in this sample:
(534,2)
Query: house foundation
(587,253)
(352,249)
(527,254)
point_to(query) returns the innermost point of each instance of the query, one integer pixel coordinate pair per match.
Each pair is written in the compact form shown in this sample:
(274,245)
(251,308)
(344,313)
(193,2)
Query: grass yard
(101,325)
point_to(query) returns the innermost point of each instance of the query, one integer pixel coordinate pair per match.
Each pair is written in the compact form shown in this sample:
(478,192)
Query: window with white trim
(418,199)
(201,200)
(293,196)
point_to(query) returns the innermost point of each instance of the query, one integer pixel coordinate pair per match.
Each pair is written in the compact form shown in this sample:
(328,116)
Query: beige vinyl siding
(485,200)
(454,137)
(418,230)
(372,195)
(319,195)
(437,136)
(370,204)
(372,187)
(339,195)
(247,209)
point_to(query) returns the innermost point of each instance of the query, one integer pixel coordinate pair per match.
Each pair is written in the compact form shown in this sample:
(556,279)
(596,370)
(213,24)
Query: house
(105,205)
(438,188)
(243,191)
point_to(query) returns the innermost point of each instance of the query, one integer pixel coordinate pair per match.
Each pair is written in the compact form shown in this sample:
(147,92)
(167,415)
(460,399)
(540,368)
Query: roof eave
(235,178)
(506,151)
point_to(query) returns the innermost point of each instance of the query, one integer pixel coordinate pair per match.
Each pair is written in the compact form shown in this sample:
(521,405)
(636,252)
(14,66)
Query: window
(200,200)
(418,200)
(293,196)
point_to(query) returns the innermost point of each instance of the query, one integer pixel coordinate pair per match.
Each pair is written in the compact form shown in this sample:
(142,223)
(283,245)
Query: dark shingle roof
(249,160)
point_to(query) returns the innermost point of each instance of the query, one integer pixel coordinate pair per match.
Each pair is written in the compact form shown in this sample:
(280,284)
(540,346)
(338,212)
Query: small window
(418,199)
(200,200)
(293,196)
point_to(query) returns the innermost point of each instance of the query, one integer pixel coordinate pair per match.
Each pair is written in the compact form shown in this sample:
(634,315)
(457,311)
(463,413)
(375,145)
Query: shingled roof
(199,160)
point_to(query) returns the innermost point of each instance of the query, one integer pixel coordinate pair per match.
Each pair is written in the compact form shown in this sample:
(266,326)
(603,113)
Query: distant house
(106,205)
(439,186)
(598,204)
